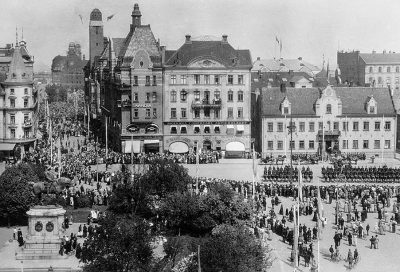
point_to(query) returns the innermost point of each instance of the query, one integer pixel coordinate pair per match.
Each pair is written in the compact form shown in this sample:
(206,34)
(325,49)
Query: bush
(83,201)
(53,199)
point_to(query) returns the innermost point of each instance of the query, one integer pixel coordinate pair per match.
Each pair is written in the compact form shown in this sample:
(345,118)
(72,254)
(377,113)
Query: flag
(110,17)
(300,185)
(276,39)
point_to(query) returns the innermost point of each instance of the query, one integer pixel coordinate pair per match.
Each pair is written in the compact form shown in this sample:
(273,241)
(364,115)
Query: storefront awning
(6,147)
(127,145)
(235,146)
(240,127)
(178,147)
(151,141)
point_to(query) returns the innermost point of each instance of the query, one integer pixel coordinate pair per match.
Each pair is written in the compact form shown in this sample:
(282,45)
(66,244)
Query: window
(388,80)
(174,130)
(196,79)
(12,91)
(280,127)
(173,96)
(216,79)
(26,91)
(135,80)
(183,96)
(345,144)
(370,80)
(329,109)
(240,112)
(183,113)
(206,97)
(355,144)
(240,96)
(207,129)
(365,144)
(148,113)
(320,125)
(387,144)
(380,69)
(135,97)
(387,125)
(230,96)
(372,109)
(12,119)
(370,69)
(147,97)
(206,79)
(240,79)
(154,113)
(12,103)
(291,145)
(217,114)
(26,117)
(217,95)
(310,144)
(135,113)
(355,126)
(397,80)
(280,145)
(366,126)
(377,144)
(154,97)
(173,79)
(206,113)
(183,130)
(173,112)
(230,112)
(154,80)
(270,127)
(387,69)
(397,69)
(311,126)
(197,95)
(336,125)
(217,130)
(302,126)
(285,110)
(12,132)
(196,130)
(26,102)
(183,79)
(196,113)
(301,145)
(270,145)
(377,126)
(230,79)
(147,80)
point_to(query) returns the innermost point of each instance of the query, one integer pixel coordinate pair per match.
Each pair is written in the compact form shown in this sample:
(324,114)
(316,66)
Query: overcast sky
(307,28)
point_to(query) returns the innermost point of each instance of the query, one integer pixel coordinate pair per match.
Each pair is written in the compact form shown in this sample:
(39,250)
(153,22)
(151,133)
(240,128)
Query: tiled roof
(303,99)
(380,58)
(18,72)
(275,79)
(221,51)
(276,65)
(140,38)
(117,44)
(396,100)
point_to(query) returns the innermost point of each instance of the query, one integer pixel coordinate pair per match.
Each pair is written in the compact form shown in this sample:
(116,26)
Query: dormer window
(329,109)
(371,106)
(285,107)
(371,109)
(285,110)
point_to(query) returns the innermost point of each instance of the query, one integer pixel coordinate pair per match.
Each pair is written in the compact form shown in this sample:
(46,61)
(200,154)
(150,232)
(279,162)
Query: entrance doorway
(207,145)
(328,147)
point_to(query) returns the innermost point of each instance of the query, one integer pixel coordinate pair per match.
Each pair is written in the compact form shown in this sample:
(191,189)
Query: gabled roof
(221,51)
(380,58)
(18,72)
(140,37)
(276,65)
(298,78)
(303,99)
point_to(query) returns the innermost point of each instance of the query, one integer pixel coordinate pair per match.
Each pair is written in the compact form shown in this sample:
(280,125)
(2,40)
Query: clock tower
(96,36)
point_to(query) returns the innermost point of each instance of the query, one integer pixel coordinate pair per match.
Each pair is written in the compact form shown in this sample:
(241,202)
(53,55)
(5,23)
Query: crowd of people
(370,174)
(285,174)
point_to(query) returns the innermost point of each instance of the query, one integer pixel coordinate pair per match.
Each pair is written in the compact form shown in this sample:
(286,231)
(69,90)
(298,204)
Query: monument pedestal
(44,233)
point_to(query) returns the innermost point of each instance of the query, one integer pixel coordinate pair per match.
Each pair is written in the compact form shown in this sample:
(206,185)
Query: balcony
(27,123)
(12,125)
(214,104)
(327,133)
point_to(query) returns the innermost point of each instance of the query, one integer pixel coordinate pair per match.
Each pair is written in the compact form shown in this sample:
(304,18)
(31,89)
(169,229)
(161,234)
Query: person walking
(350,258)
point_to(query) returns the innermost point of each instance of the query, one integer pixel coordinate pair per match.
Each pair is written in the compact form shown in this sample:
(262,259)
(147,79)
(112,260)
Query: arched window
(328,109)
(230,95)
(388,69)
(217,95)
(183,96)
(173,96)
(370,69)
(152,129)
(240,96)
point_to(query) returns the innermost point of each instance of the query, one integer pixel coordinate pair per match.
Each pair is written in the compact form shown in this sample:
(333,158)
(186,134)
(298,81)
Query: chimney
(258,58)
(188,38)
(224,38)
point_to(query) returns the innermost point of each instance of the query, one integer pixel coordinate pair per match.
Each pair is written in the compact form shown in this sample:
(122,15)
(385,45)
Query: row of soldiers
(287,173)
(382,174)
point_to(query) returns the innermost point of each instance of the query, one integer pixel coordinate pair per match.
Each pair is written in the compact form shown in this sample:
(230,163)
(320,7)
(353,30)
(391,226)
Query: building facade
(207,97)
(18,101)
(355,119)
(370,69)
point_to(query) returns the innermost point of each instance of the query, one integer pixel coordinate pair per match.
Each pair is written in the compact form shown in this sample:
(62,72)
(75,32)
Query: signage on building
(141,105)
(132,128)
(179,139)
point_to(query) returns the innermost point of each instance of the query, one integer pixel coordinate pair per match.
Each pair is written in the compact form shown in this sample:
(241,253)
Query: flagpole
(197,167)
(59,156)
(285,136)
(51,143)
(198,258)
(383,136)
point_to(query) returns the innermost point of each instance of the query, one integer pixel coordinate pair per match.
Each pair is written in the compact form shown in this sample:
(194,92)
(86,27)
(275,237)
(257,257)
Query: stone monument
(44,233)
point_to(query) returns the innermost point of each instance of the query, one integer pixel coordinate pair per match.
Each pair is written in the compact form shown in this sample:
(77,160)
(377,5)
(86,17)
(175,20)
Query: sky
(309,29)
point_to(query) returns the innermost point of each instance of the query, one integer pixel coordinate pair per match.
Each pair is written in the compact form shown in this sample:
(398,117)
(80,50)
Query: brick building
(207,97)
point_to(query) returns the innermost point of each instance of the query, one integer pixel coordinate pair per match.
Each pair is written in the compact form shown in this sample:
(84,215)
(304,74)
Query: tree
(119,244)
(16,194)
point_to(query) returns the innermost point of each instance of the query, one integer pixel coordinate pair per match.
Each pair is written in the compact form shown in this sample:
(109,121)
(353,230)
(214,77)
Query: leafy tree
(119,244)
(16,195)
